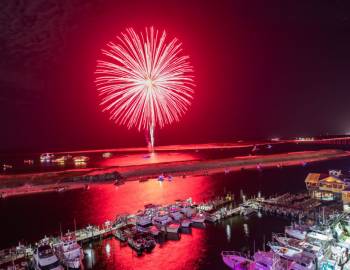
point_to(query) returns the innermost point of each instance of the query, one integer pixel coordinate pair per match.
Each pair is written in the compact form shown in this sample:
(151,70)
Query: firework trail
(145,81)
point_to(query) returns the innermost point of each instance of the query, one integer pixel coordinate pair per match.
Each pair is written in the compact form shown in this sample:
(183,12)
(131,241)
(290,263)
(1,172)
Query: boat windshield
(50,266)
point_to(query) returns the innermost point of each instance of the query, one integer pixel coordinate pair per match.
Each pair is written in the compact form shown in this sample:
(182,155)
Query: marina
(162,224)
(312,248)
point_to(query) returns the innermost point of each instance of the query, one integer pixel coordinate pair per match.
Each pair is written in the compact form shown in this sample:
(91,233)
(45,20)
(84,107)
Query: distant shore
(21,184)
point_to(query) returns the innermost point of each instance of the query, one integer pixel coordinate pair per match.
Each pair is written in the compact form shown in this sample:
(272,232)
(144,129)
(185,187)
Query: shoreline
(25,184)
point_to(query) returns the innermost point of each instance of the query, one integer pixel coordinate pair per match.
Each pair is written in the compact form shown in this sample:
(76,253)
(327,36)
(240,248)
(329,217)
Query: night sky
(262,68)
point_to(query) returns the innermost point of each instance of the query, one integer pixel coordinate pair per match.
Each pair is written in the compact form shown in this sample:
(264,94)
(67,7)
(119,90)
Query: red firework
(145,81)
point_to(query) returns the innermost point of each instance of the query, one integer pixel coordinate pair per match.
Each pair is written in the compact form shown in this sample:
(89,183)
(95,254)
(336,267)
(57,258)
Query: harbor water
(29,218)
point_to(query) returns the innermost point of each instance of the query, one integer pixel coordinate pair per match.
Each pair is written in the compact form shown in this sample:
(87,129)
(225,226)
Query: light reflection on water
(182,254)
(147,158)
(33,217)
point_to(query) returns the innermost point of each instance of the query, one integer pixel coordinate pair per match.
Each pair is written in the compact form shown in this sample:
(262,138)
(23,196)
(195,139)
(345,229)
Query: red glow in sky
(146,81)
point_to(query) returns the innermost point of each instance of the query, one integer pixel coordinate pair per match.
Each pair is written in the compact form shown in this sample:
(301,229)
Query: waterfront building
(327,187)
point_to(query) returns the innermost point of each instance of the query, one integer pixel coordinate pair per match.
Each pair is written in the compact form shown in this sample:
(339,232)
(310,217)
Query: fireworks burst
(146,82)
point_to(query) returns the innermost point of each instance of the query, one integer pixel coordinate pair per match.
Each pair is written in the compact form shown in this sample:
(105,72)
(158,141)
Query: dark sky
(263,69)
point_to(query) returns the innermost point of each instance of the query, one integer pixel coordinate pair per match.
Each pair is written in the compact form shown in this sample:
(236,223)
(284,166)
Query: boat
(237,261)
(154,230)
(298,260)
(246,210)
(143,220)
(28,161)
(47,157)
(80,159)
(149,243)
(6,167)
(296,231)
(120,235)
(172,227)
(136,243)
(44,258)
(211,217)
(306,247)
(70,253)
(107,155)
(60,160)
(161,177)
(161,219)
(198,218)
(185,223)
(176,214)
(61,189)
(187,210)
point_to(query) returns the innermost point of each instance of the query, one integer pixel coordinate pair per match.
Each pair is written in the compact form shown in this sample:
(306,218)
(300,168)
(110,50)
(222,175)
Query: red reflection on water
(185,253)
(106,201)
(147,158)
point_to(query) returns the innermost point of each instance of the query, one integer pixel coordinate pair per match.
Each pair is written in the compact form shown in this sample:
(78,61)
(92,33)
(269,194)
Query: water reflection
(228,232)
(170,255)
(147,158)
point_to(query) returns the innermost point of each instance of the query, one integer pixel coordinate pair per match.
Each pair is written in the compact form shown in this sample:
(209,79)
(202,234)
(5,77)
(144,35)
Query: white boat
(322,235)
(305,246)
(198,218)
(47,157)
(107,155)
(296,231)
(176,215)
(70,253)
(246,210)
(235,260)
(45,259)
(187,210)
(211,217)
(161,219)
(185,223)
(154,230)
(172,227)
(144,220)
(296,258)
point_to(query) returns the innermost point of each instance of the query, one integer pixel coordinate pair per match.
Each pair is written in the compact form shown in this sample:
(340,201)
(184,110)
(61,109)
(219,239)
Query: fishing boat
(296,231)
(172,227)
(235,260)
(185,223)
(161,219)
(297,258)
(44,258)
(70,253)
(198,218)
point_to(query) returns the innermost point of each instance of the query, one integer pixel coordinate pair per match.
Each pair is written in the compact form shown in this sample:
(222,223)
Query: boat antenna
(61,230)
(264,242)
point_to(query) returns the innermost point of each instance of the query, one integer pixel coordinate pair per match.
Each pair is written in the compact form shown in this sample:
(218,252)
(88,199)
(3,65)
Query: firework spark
(146,81)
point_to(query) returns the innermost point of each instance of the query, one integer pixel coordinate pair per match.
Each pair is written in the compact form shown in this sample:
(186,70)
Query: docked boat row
(57,254)
(324,245)
(51,158)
